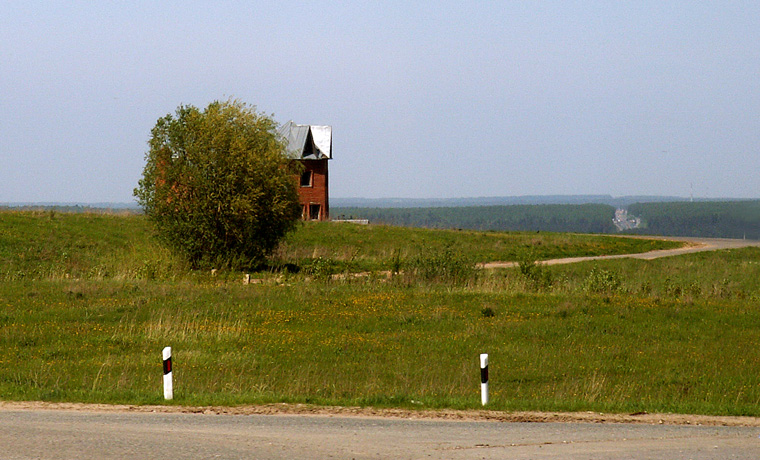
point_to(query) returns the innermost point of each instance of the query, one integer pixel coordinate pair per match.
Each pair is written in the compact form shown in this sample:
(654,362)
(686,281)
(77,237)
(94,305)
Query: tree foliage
(217,185)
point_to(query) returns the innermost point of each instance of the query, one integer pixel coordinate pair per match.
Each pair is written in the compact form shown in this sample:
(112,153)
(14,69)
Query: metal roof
(307,142)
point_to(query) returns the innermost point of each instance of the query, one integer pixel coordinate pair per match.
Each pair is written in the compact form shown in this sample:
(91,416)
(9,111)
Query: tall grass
(377,344)
(447,266)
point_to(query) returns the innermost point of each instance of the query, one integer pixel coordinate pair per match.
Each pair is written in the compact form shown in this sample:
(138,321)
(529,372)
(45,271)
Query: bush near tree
(217,185)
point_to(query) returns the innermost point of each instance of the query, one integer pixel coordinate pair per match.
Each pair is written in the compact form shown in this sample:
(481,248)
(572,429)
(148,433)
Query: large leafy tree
(217,184)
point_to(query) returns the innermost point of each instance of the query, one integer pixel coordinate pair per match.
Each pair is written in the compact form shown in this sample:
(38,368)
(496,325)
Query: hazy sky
(426,99)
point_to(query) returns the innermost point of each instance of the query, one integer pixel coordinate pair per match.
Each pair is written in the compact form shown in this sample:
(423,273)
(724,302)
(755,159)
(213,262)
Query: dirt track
(692,245)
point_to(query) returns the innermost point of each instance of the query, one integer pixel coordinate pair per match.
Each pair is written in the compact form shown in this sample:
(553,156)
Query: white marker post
(484,378)
(168,386)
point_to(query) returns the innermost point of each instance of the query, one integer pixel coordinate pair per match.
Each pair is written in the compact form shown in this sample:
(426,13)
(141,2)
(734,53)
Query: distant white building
(623,221)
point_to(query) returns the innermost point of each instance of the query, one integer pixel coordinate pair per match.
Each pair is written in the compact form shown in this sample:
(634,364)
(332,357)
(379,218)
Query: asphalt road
(61,434)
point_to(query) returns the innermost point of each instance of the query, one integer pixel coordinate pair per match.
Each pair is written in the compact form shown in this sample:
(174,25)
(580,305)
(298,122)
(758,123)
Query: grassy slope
(50,245)
(675,334)
(43,245)
(374,246)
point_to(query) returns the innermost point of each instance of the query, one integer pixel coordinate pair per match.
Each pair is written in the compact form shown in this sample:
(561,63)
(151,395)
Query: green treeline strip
(725,219)
(583,218)
(715,219)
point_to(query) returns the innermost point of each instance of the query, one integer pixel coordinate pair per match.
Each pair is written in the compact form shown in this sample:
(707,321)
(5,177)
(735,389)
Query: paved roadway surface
(61,434)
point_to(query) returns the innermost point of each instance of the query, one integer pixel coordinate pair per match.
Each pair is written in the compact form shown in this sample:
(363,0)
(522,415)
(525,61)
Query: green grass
(51,245)
(674,335)
(373,247)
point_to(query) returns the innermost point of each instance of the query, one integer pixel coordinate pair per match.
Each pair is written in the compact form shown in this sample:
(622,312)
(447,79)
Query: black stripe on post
(167,366)
(484,374)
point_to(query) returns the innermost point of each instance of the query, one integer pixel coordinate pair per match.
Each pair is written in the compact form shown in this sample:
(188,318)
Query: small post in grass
(168,387)
(484,378)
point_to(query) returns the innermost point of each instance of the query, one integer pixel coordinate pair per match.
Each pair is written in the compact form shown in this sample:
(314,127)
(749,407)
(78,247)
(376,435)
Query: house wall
(316,193)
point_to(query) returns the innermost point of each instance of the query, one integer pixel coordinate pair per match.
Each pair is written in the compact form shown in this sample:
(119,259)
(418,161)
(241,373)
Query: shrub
(538,276)
(217,185)
(488,312)
(600,281)
(322,268)
(396,262)
(442,266)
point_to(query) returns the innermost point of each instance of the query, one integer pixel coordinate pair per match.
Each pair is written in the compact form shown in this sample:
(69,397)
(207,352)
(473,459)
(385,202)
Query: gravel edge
(450,415)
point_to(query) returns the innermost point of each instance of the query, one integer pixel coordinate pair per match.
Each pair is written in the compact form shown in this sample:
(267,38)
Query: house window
(306,179)
(314,211)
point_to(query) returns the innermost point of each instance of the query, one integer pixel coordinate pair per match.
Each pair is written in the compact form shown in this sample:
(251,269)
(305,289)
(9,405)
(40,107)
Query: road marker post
(168,385)
(484,378)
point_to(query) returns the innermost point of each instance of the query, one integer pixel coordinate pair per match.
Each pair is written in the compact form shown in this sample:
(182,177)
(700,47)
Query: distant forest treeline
(620,202)
(717,219)
(582,218)
(730,219)
(726,219)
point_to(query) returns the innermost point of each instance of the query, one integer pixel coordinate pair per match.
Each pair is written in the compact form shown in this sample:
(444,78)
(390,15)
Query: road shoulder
(468,415)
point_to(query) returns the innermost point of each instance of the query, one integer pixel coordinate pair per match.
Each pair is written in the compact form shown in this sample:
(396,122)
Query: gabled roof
(307,142)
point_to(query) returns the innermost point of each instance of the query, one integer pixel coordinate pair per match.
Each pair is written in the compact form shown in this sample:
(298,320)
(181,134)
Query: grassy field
(50,245)
(88,302)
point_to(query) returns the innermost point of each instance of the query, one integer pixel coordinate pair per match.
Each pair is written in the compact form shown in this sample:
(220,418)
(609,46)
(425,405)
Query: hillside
(87,302)
(56,245)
